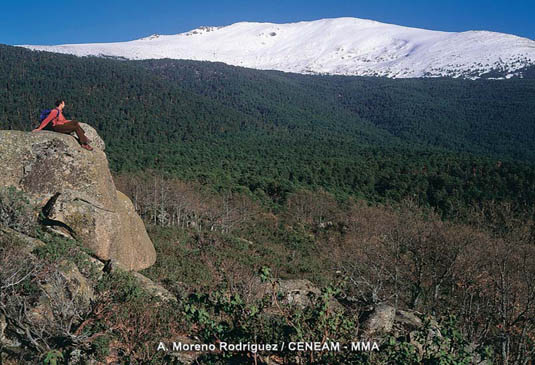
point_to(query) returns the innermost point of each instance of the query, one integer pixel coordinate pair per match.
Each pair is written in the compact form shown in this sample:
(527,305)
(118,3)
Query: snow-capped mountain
(341,46)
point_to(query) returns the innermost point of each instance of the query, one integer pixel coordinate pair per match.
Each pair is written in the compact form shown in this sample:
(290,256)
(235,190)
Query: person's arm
(47,120)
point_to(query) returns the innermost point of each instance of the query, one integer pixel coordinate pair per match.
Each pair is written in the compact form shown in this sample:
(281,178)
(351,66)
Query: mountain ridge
(336,46)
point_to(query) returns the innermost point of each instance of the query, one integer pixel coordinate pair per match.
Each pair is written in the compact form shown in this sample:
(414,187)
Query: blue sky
(76,21)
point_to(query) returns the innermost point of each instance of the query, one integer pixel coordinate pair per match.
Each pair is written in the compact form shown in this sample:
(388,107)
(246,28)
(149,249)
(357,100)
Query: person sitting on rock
(55,121)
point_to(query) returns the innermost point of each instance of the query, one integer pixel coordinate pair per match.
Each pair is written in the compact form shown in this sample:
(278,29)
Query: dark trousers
(69,127)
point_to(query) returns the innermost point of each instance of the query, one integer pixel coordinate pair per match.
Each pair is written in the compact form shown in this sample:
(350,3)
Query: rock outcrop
(76,188)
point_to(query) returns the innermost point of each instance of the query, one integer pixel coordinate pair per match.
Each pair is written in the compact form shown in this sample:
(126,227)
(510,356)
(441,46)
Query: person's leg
(48,127)
(72,126)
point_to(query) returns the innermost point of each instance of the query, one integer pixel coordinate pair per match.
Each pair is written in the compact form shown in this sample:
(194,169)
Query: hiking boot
(87,147)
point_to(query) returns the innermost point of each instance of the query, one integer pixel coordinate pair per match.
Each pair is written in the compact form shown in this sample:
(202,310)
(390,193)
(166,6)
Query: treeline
(451,183)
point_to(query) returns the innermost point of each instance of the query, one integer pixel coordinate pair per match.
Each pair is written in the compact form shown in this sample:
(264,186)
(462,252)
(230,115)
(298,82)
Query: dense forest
(449,143)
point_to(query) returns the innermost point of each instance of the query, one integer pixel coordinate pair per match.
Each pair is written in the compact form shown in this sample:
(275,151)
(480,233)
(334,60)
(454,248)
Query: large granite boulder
(77,189)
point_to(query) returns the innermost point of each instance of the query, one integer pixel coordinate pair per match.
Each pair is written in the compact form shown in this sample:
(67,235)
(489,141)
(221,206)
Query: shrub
(16,212)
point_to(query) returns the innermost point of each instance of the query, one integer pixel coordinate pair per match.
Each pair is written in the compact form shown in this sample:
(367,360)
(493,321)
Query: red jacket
(56,116)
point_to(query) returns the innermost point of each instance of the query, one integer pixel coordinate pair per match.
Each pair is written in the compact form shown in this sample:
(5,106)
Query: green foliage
(127,320)
(58,247)
(459,115)
(439,344)
(101,346)
(123,285)
(400,352)
(265,274)
(433,344)
(16,212)
(176,249)
(52,357)
(225,257)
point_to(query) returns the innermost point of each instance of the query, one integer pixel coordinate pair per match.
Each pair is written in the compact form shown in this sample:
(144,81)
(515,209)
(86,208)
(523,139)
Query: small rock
(294,292)
(379,320)
(75,357)
(144,282)
(153,288)
(409,319)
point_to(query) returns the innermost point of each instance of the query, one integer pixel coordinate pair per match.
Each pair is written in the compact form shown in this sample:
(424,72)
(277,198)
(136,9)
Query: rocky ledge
(76,194)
